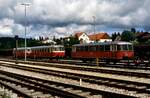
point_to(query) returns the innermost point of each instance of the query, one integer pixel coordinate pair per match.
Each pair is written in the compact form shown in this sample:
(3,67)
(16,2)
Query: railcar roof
(36,47)
(105,43)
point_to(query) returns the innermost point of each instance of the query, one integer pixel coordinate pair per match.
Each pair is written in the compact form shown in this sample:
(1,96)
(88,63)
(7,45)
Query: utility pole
(16,52)
(94,26)
(25,23)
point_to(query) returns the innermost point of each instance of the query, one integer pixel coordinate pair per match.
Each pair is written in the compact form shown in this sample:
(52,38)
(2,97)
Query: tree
(113,36)
(133,30)
(127,36)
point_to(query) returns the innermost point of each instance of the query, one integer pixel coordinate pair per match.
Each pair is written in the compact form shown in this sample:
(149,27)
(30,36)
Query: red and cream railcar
(116,50)
(53,51)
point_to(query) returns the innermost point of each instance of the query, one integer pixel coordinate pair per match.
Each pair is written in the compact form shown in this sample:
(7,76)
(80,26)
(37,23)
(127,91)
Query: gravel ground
(129,78)
(69,81)
(5,93)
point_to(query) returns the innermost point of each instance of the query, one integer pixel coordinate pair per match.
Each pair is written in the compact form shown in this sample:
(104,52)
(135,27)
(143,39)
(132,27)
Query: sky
(61,18)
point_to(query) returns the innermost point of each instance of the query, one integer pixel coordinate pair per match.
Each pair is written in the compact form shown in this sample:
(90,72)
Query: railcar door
(114,51)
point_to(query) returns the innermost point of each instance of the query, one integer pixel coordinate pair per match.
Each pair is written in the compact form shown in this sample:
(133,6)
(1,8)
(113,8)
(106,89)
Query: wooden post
(80,82)
(97,61)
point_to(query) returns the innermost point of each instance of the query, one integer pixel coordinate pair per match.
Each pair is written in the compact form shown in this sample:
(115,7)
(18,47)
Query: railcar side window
(86,48)
(46,49)
(100,48)
(107,48)
(77,48)
(57,48)
(97,48)
(92,48)
(54,49)
(61,49)
(74,49)
(82,48)
(118,47)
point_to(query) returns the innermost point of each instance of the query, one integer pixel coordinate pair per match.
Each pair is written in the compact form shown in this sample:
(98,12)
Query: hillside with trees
(10,42)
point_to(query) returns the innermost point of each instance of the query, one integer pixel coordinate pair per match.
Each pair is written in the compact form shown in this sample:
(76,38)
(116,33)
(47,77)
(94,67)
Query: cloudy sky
(64,17)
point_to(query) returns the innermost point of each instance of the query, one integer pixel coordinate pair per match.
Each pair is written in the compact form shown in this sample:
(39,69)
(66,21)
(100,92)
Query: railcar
(53,51)
(142,51)
(6,52)
(110,51)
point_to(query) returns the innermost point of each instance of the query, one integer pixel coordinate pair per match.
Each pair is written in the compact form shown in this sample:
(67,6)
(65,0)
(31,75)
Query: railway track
(143,73)
(122,64)
(110,82)
(30,87)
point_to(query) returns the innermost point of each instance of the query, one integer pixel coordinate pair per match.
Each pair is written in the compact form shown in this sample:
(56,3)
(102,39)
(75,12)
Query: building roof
(99,36)
(78,34)
(143,35)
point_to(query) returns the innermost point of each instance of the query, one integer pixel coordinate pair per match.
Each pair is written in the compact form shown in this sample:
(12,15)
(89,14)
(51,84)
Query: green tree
(113,36)
(127,36)
(133,30)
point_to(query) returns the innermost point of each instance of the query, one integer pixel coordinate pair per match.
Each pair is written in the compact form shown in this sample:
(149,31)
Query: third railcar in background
(142,51)
(53,51)
(110,51)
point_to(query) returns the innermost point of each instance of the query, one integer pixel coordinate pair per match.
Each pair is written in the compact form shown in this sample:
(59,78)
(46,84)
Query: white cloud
(5,27)
(56,17)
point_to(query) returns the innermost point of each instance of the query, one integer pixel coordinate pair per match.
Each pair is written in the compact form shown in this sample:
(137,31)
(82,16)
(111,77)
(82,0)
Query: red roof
(99,36)
(78,34)
(143,35)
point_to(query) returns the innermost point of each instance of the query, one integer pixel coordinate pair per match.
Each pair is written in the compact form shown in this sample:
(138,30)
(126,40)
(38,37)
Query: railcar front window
(125,47)
(130,47)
